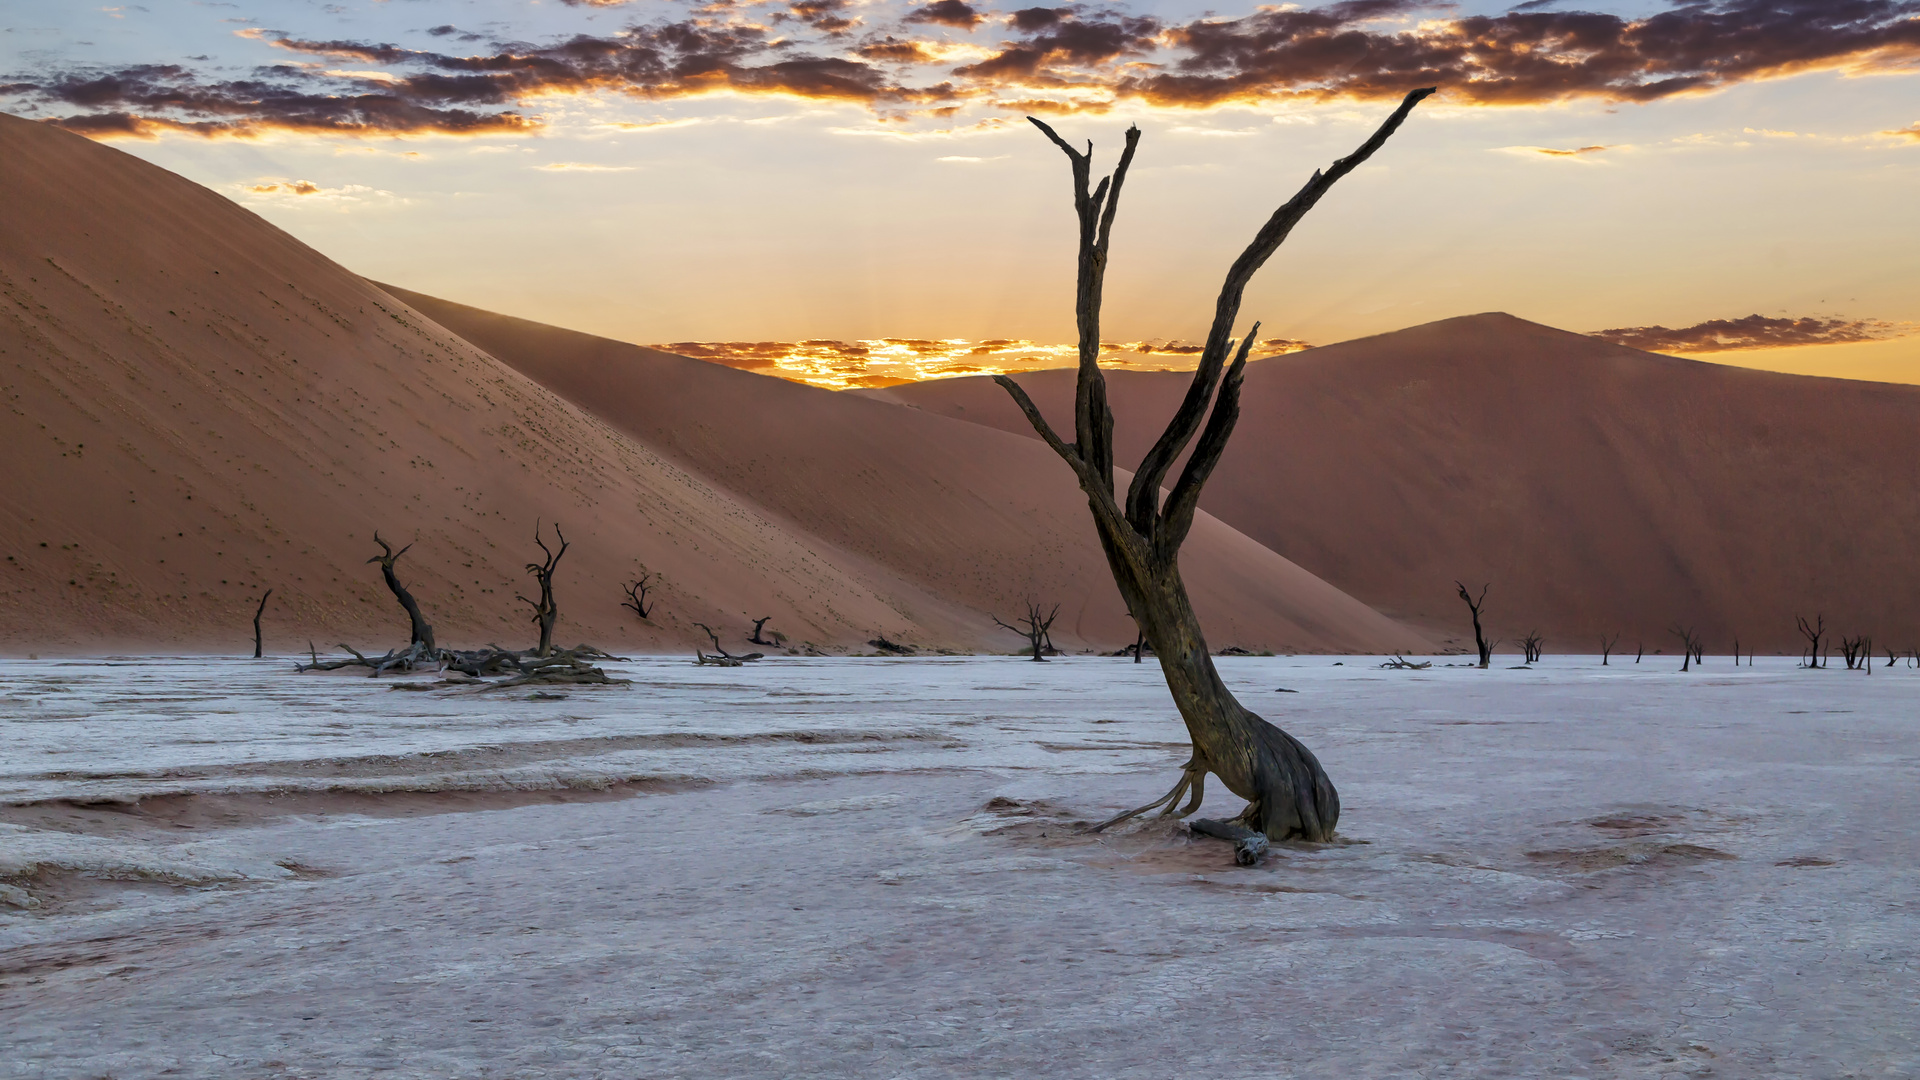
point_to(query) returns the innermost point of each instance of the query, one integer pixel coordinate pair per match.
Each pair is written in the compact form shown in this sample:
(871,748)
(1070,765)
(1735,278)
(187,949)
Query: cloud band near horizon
(934,60)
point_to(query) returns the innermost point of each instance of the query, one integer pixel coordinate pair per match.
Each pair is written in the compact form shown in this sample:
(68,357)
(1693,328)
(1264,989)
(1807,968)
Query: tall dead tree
(1606,647)
(1034,628)
(257,612)
(422,634)
(1812,631)
(1288,794)
(1479,638)
(546,610)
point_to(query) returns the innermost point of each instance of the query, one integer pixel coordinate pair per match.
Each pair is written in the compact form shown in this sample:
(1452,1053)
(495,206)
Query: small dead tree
(546,610)
(1812,631)
(757,624)
(1857,652)
(1034,628)
(1690,645)
(636,591)
(1531,646)
(1639,650)
(1479,638)
(422,634)
(1606,647)
(257,612)
(1288,794)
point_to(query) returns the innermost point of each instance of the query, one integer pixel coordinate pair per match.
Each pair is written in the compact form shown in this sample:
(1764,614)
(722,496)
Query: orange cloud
(841,365)
(1753,332)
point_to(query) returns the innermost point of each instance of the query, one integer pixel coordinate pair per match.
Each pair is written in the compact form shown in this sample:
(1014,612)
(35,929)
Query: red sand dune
(1599,489)
(203,407)
(978,517)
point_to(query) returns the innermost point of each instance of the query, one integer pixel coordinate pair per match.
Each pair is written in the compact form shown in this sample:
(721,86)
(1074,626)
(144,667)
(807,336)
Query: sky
(847,192)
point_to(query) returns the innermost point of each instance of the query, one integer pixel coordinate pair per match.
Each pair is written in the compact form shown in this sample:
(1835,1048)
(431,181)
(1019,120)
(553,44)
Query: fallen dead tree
(721,657)
(1400,662)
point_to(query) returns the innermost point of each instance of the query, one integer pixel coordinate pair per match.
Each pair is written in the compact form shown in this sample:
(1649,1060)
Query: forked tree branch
(1143,494)
(1185,499)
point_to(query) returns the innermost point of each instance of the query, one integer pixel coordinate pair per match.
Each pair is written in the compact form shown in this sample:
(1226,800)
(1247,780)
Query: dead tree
(721,657)
(1288,794)
(1812,631)
(1690,645)
(1891,658)
(1139,641)
(1736,652)
(1531,646)
(1479,639)
(1606,647)
(757,624)
(422,634)
(1639,650)
(257,612)
(636,591)
(1857,652)
(546,610)
(1034,628)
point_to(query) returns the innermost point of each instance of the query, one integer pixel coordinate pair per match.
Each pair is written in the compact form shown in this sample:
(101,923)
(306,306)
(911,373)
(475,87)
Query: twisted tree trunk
(422,634)
(1288,794)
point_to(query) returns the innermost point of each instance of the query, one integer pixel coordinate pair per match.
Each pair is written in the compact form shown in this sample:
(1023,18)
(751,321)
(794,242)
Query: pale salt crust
(869,868)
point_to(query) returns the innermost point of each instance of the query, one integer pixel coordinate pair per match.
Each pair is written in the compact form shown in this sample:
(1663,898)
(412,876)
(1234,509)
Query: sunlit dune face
(849,365)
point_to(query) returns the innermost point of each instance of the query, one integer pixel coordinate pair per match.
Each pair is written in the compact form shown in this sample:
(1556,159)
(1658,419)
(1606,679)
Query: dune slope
(1599,489)
(200,407)
(981,518)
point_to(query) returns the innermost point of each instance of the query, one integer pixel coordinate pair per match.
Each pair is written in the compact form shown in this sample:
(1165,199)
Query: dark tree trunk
(257,612)
(1288,794)
(547,609)
(421,634)
(1606,648)
(757,624)
(1473,605)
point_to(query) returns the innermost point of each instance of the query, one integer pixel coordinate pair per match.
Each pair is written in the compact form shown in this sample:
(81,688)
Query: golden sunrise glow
(853,365)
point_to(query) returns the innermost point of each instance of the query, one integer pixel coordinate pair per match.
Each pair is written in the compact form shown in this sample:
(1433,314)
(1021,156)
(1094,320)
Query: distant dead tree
(1812,631)
(1736,652)
(546,609)
(1857,652)
(1690,645)
(1892,658)
(1034,628)
(636,591)
(1639,650)
(422,634)
(1287,792)
(757,624)
(1531,646)
(1473,605)
(1139,641)
(1606,647)
(257,612)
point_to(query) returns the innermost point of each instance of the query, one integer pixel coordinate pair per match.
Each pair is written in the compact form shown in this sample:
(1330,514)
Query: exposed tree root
(1193,777)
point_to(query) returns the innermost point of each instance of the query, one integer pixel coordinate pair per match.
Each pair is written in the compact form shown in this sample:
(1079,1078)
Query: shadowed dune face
(1600,489)
(981,518)
(200,407)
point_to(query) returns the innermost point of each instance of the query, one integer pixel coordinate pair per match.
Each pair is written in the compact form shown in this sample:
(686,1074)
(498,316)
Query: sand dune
(980,518)
(1600,489)
(204,408)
